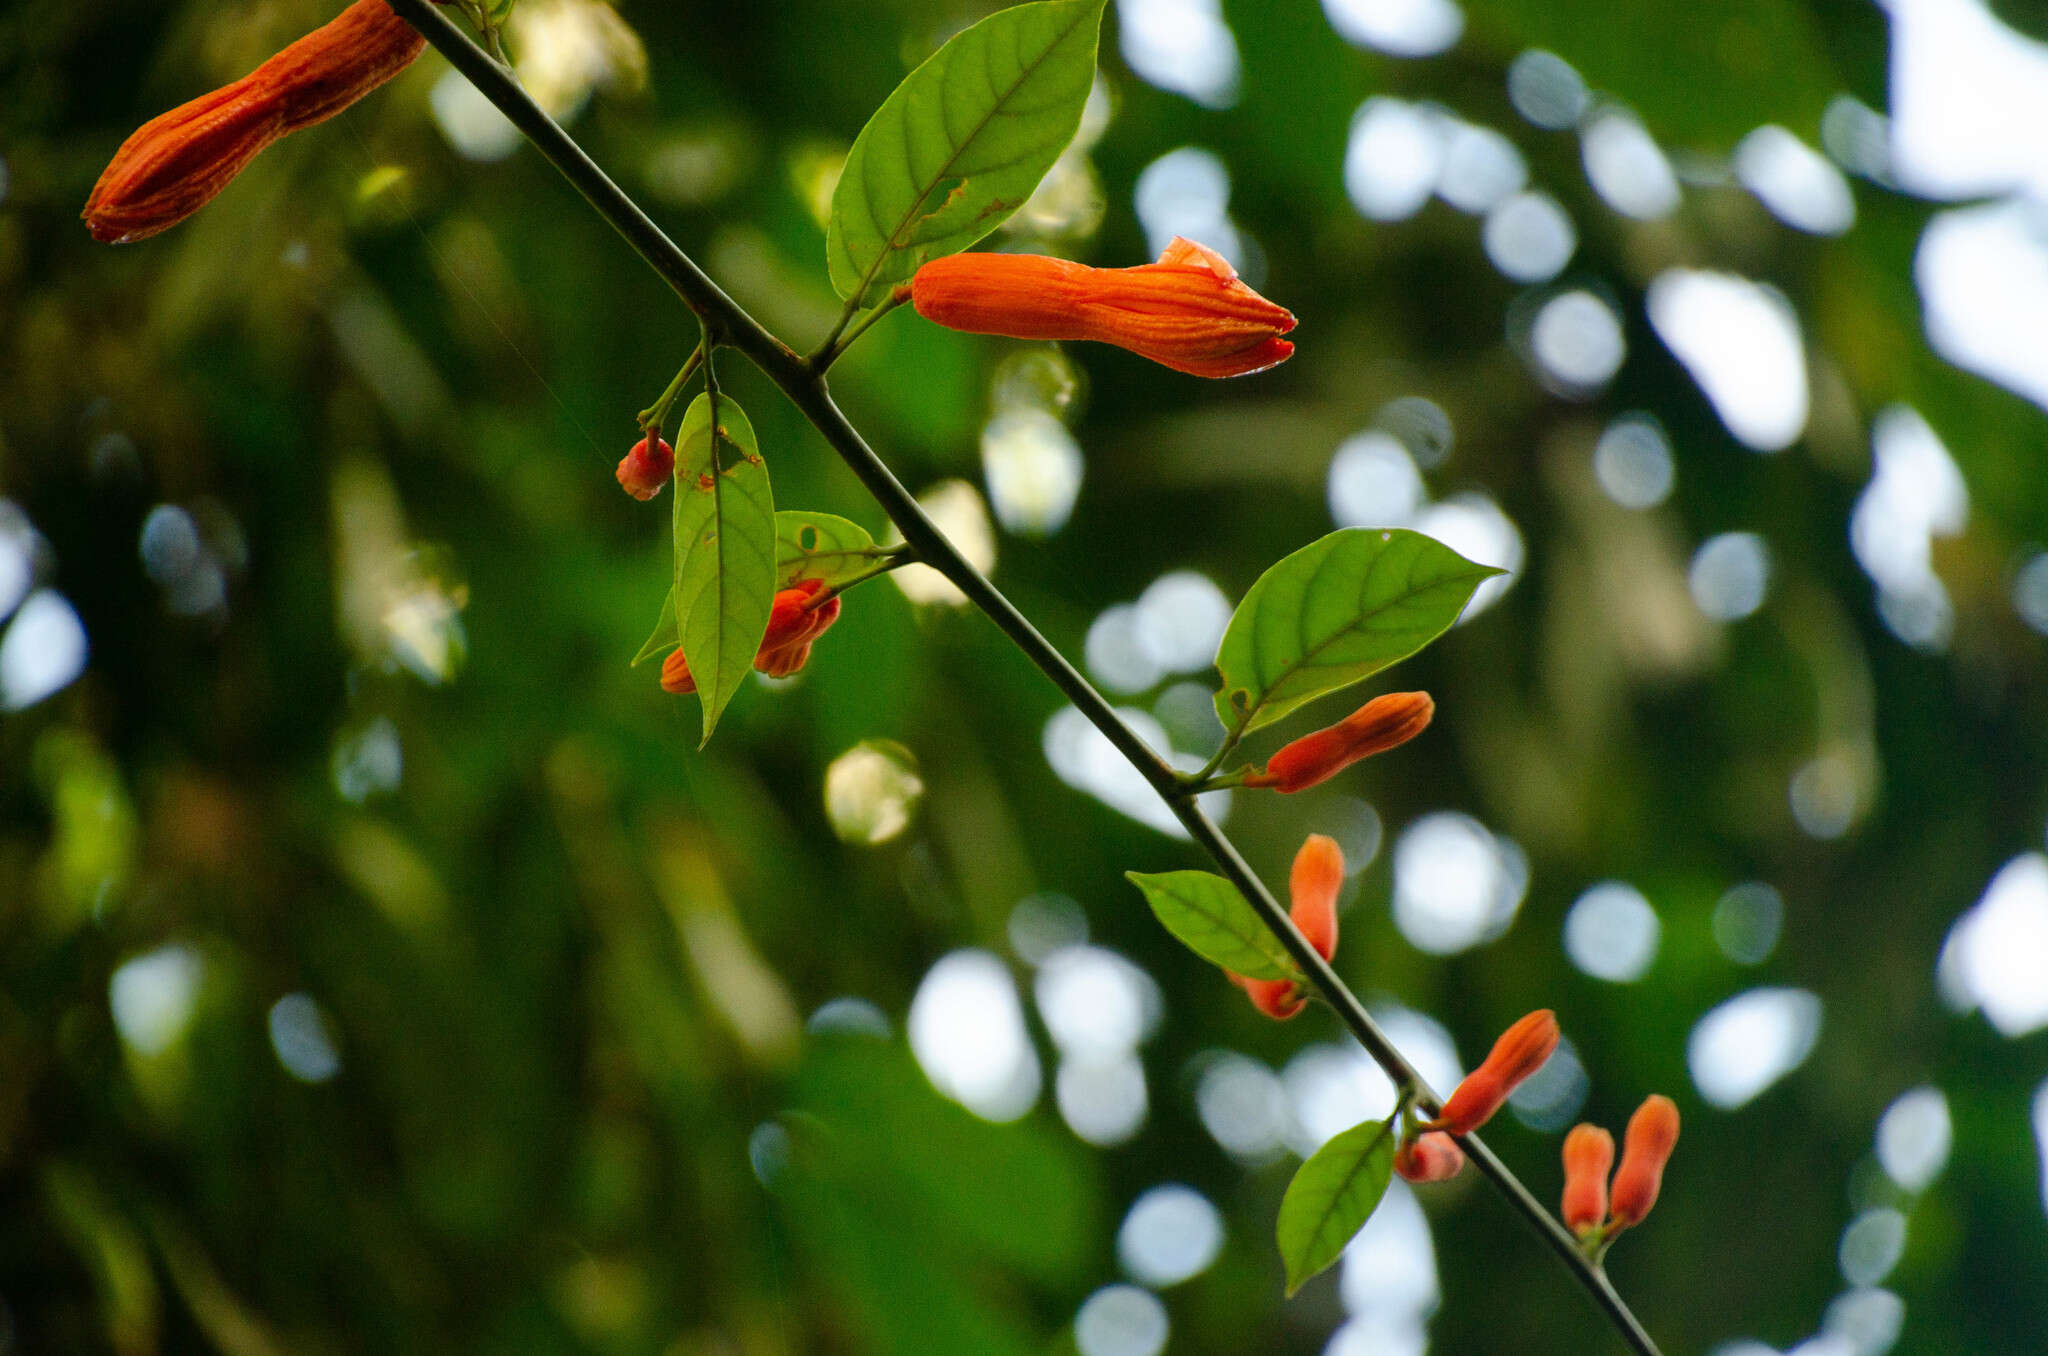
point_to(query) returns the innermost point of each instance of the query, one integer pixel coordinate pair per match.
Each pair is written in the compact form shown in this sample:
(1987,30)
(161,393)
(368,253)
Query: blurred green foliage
(554,1088)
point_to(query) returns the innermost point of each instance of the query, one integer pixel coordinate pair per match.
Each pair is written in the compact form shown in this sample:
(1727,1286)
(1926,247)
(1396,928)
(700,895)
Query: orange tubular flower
(793,623)
(1434,1157)
(1588,1158)
(1646,1147)
(174,164)
(1519,1053)
(1312,887)
(1381,724)
(642,473)
(1189,311)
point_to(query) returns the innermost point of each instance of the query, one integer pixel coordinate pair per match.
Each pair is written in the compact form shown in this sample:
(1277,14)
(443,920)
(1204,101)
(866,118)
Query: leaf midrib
(892,242)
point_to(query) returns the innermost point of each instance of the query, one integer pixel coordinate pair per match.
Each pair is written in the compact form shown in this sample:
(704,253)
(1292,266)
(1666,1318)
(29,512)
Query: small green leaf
(960,144)
(1331,1197)
(1338,610)
(821,546)
(666,637)
(725,550)
(1212,920)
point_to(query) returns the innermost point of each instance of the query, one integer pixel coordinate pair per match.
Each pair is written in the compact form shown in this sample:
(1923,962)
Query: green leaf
(960,144)
(1212,920)
(725,550)
(665,637)
(821,546)
(1338,610)
(1331,1197)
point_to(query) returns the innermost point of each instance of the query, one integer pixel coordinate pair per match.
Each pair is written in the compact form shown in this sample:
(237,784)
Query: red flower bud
(1519,1053)
(1588,1158)
(1433,1157)
(1646,1147)
(1381,724)
(1312,886)
(174,164)
(642,473)
(1189,311)
(794,621)
(1277,998)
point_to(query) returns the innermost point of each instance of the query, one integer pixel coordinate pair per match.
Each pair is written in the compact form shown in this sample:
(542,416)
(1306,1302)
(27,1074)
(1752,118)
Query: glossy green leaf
(960,144)
(822,546)
(1331,1197)
(1338,610)
(1212,919)
(665,636)
(725,550)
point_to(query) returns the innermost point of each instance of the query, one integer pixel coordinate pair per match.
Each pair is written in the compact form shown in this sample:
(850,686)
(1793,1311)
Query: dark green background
(538,1138)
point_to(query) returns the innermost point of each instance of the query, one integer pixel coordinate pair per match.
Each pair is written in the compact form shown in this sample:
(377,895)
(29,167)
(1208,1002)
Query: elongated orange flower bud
(1518,1053)
(1646,1147)
(794,621)
(1588,1158)
(1381,724)
(174,164)
(1189,311)
(1434,1157)
(1312,888)
(642,472)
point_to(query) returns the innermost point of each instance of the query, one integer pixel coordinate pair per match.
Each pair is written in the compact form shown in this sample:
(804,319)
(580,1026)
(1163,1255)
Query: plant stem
(655,415)
(841,338)
(806,388)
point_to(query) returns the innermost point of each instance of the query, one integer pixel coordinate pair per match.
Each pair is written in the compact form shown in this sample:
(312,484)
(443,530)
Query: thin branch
(806,389)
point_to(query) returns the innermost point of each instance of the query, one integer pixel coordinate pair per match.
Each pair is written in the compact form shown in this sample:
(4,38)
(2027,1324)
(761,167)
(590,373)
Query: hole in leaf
(807,537)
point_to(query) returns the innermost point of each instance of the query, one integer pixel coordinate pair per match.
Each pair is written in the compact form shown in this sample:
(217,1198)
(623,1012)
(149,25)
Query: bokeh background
(382,968)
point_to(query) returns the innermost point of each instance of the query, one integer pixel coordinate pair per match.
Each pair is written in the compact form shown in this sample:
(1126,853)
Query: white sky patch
(1730,575)
(1577,341)
(1243,1106)
(1033,469)
(1084,759)
(1872,1245)
(1750,1042)
(1181,45)
(1801,186)
(1121,1320)
(1170,1234)
(1180,621)
(1394,157)
(956,509)
(1374,482)
(43,651)
(1740,340)
(1633,461)
(1457,884)
(1103,1101)
(1983,276)
(1969,99)
(1914,1136)
(1096,1005)
(1545,89)
(1390,1267)
(1474,526)
(1529,237)
(1916,493)
(967,1030)
(1187,192)
(153,997)
(1611,932)
(1481,168)
(1625,166)
(1404,28)
(1993,956)
(2041,1136)
(302,1039)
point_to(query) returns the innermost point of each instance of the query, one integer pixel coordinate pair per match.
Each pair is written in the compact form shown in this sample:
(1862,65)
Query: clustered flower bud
(1383,723)
(1588,1158)
(1588,1209)
(642,473)
(1312,888)
(1431,1157)
(1189,311)
(174,164)
(794,621)
(1520,1052)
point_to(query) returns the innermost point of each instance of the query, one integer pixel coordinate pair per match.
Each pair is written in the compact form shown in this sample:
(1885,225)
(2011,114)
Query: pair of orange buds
(797,618)
(1428,1153)
(175,164)
(1590,1211)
